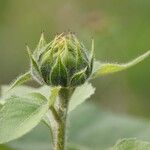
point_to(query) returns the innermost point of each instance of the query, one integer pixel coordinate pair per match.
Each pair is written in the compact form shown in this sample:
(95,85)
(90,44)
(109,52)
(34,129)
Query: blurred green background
(121,30)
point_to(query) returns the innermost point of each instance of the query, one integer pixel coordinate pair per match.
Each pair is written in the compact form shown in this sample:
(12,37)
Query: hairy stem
(60,119)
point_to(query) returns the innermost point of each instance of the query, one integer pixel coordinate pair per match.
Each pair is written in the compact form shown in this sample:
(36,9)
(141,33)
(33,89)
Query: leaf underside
(80,94)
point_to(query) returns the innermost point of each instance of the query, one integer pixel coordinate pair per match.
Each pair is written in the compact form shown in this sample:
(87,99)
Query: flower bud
(62,62)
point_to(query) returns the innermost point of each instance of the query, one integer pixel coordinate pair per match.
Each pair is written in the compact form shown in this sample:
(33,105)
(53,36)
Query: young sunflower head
(62,62)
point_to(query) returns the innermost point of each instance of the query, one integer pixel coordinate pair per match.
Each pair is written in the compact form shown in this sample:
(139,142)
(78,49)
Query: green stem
(60,117)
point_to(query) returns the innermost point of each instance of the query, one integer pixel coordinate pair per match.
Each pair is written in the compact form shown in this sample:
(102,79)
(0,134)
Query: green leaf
(109,68)
(80,94)
(95,129)
(19,115)
(131,144)
(20,80)
(38,139)
(96,66)
(22,91)
(35,98)
(90,128)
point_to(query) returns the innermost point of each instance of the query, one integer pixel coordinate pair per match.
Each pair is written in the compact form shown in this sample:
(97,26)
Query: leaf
(90,128)
(131,144)
(109,68)
(80,94)
(95,129)
(19,115)
(20,80)
(35,98)
(38,139)
(96,66)
(22,91)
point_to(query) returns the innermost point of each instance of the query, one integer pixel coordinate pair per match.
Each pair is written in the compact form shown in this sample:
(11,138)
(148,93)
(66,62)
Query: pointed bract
(40,47)
(79,78)
(59,74)
(34,68)
(42,42)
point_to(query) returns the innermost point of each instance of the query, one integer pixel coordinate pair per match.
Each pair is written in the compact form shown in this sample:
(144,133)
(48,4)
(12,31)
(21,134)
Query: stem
(60,119)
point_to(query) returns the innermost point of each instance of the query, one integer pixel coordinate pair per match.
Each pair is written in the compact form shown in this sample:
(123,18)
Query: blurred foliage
(120,29)
(99,133)
(131,144)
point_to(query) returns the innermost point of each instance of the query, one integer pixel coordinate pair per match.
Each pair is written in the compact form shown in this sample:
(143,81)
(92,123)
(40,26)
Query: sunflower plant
(64,68)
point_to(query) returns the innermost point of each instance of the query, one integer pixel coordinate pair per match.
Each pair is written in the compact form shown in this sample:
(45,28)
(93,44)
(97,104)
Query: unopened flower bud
(62,62)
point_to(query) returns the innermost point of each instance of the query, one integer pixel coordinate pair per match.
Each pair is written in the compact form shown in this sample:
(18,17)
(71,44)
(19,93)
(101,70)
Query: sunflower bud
(62,62)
